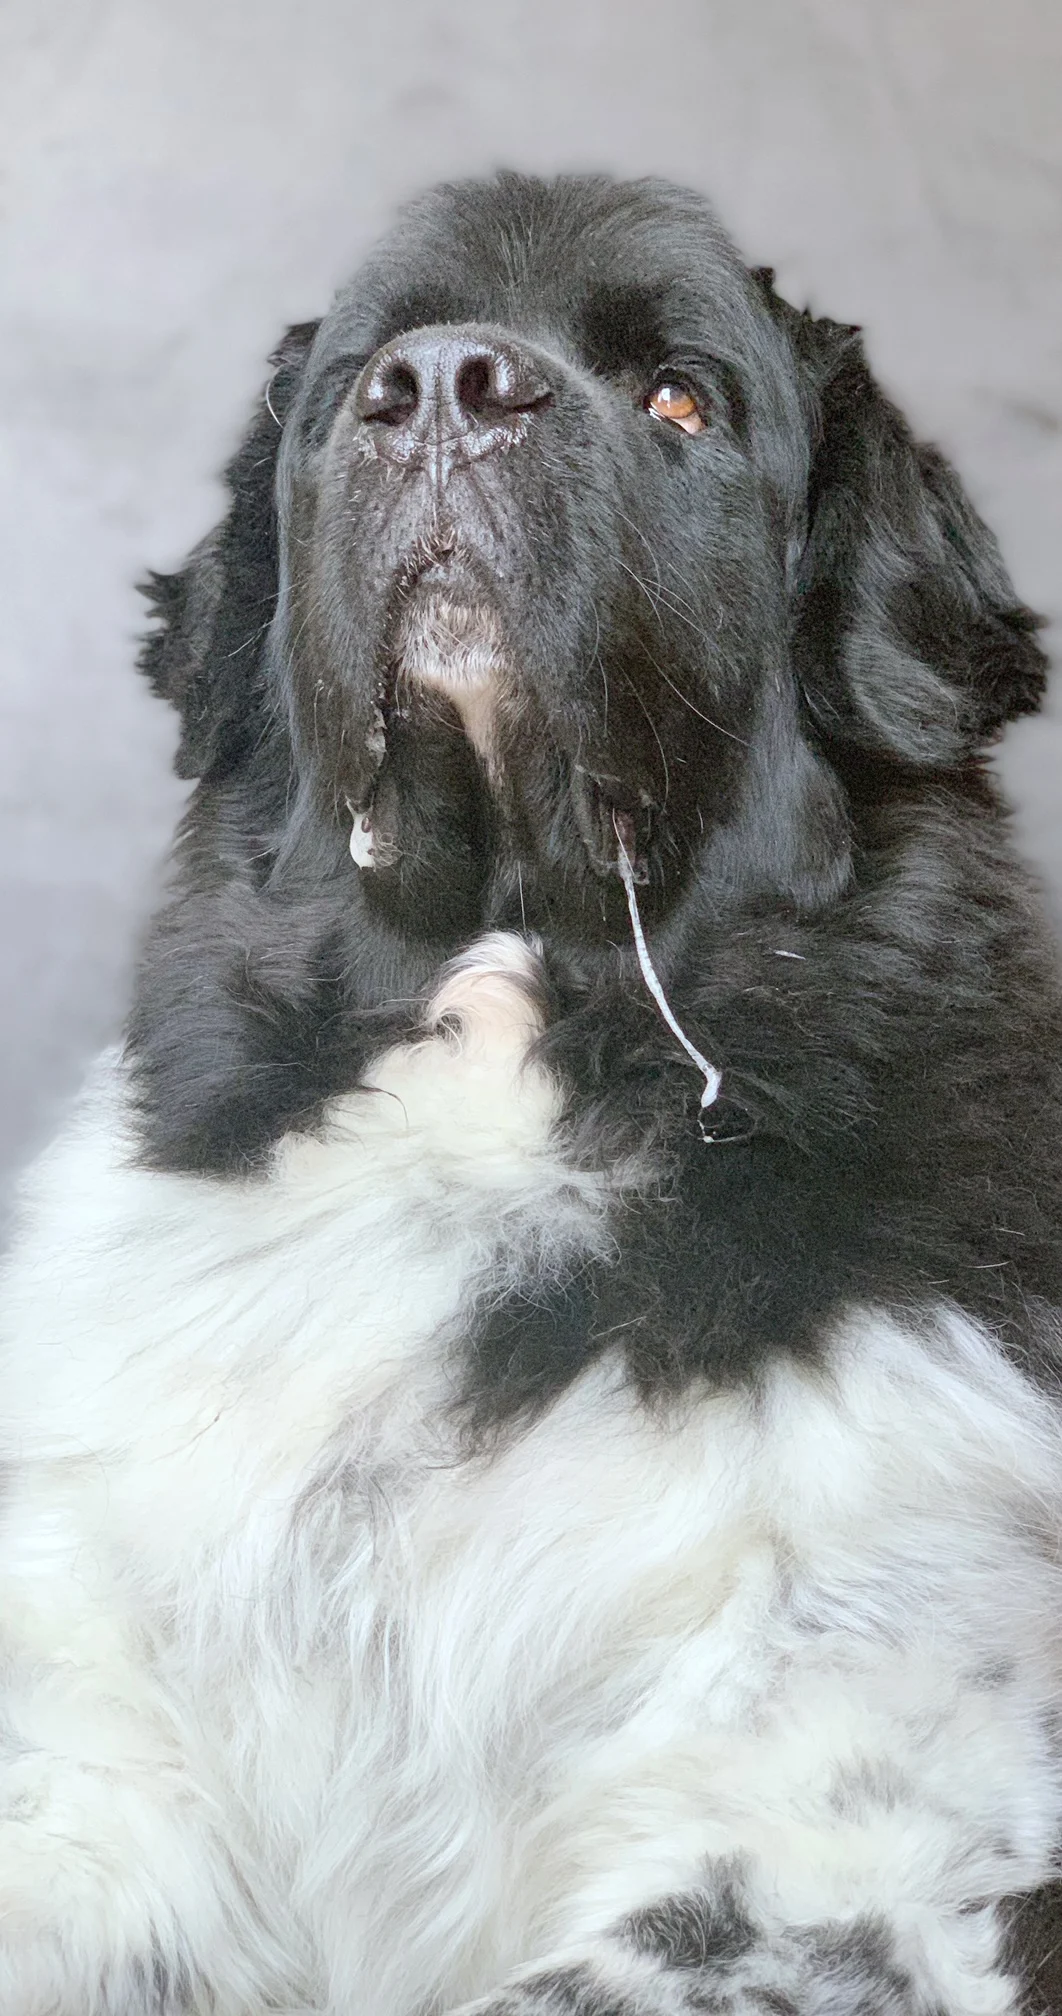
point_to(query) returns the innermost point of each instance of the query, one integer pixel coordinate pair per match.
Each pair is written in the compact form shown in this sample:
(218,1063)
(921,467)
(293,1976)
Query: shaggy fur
(478,1529)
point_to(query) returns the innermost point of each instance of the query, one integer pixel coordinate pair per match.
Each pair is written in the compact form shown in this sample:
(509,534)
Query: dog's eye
(676,403)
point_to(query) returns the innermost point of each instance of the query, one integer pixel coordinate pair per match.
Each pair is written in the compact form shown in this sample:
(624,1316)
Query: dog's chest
(474,1702)
(247,1328)
(519,1689)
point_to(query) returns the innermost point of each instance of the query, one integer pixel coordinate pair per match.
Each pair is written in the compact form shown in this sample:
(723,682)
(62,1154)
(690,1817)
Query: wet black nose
(449,394)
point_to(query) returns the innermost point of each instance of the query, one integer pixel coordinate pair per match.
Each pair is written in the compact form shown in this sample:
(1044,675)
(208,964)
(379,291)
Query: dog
(532,1406)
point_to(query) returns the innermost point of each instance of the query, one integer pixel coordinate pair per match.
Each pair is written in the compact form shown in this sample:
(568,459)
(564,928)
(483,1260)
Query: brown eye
(674,403)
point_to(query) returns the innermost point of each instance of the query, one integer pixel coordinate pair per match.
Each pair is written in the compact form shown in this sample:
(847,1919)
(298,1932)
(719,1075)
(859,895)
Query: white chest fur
(337,1711)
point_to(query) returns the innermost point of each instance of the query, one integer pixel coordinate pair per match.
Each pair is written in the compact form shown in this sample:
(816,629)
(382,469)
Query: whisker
(653,726)
(730,733)
(677,690)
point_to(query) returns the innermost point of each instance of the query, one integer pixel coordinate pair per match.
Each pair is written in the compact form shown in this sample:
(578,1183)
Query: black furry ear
(909,640)
(214,614)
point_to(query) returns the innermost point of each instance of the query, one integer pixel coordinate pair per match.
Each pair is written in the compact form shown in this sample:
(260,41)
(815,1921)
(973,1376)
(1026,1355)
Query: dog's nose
(449,395)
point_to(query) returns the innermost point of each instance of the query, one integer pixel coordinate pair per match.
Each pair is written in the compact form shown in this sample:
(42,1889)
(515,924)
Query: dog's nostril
(392,395)
(492,383)
(475,385)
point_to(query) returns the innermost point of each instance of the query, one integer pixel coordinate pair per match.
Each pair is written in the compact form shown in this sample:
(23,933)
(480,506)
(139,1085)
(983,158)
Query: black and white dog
(532,1399)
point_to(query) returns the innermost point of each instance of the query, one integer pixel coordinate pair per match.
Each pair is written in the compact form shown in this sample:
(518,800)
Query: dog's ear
(909,639)
(213,615)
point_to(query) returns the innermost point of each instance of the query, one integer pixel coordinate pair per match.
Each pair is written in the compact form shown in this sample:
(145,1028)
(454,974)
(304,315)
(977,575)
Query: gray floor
(181,177)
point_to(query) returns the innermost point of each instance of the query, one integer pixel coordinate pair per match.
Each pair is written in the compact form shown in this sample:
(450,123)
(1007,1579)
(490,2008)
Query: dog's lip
(606,815)
(440,571)
(440,562)
(440,576)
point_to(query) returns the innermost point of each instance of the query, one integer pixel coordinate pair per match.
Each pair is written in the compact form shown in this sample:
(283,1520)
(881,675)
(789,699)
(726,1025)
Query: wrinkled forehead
(620,273)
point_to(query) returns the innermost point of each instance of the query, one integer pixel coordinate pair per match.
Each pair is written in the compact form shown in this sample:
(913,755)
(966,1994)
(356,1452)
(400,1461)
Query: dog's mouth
(444,637)
(445,630)
(446,657)
(612,825)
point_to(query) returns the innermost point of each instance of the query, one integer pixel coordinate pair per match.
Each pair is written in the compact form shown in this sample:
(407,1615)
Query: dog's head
(561,528)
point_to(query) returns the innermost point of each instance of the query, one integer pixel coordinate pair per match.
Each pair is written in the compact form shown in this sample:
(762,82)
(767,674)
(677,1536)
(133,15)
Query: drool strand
(713,1078)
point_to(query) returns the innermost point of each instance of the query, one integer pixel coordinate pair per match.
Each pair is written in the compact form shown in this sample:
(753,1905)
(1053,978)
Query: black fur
(776,649)
(704,1929)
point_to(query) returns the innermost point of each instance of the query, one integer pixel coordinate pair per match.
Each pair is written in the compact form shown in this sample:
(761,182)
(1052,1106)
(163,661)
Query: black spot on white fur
(710,1928)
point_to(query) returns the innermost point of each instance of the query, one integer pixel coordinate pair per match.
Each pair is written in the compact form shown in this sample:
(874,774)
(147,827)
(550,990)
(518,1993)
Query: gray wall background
(179,178)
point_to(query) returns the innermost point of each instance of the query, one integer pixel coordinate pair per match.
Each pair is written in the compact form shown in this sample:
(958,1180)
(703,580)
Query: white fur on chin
(448,648)
(304,1701)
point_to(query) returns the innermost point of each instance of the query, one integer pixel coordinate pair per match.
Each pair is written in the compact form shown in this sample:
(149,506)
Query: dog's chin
(454,648)
(453,645)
